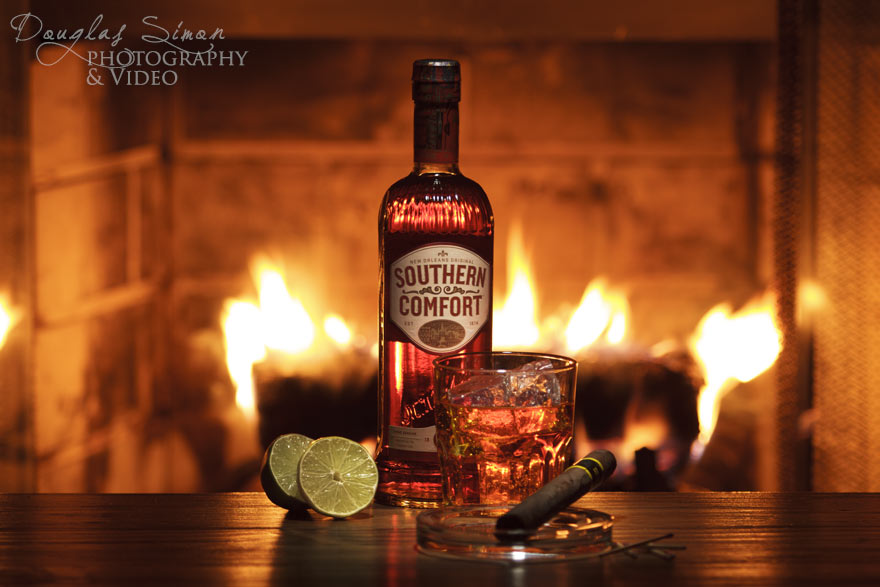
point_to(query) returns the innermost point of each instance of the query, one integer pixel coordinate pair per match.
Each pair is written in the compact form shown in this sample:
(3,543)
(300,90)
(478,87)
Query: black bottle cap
(436,80)
(436,70)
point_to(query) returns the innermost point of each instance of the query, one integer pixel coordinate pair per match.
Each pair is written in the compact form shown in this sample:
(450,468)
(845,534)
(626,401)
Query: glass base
(405,501)
(413,484)
(468,532)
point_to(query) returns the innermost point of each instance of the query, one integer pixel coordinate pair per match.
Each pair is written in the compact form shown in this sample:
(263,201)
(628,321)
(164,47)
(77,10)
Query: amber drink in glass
(504,424)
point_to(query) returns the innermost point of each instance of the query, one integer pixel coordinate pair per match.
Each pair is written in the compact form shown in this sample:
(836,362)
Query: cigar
(580,478)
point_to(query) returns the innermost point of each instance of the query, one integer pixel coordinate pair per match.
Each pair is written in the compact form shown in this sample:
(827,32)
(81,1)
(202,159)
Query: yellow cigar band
(601,468)
(578,465)
(582,468)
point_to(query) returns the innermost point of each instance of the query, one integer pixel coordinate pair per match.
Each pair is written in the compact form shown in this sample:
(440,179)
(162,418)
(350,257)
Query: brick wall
(651,161)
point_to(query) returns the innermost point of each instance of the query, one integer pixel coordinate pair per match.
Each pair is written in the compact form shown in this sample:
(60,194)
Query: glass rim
(568,362)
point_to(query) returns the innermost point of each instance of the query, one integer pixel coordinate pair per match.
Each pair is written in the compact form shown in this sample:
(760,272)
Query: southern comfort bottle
(435,286)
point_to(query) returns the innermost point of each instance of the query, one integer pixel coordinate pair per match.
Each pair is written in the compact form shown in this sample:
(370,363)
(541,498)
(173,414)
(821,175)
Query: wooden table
(217,539)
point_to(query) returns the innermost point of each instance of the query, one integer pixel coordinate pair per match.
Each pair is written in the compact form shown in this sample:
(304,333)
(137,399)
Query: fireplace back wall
(649,163)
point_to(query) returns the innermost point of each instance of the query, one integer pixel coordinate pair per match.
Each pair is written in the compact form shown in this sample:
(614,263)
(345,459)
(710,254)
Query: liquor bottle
(435,286)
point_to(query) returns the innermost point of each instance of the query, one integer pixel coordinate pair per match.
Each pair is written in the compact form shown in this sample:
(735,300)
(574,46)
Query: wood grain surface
(241,538)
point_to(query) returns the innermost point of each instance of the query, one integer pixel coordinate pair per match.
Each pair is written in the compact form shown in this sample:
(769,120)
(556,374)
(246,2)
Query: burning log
(628,403)
(315,406)
(300,377)
(647,476)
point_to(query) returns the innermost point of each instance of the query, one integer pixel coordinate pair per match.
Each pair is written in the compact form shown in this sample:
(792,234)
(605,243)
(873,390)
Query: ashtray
(468,532)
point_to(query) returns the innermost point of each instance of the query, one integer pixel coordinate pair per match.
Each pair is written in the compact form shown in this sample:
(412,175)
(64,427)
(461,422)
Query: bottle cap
(436,70)
(436,80)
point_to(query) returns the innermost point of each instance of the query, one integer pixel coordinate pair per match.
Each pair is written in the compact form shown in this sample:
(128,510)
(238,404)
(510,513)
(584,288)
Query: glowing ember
(647,431)
(279,325)
(731,348)
(514,323)
(600,311)
(8,318)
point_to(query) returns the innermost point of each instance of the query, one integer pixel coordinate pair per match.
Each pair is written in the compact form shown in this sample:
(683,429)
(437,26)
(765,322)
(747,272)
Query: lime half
(337,476)
(278,475)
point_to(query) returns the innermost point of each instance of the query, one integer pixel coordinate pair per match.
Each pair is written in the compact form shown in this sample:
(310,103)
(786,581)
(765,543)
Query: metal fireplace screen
(828,245)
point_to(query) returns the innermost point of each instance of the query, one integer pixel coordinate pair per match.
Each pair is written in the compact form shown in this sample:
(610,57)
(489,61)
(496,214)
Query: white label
(440,296)
(414,439)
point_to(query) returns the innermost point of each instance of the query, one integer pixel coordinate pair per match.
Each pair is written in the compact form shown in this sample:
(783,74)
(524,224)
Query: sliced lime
(337,476)
(279,472)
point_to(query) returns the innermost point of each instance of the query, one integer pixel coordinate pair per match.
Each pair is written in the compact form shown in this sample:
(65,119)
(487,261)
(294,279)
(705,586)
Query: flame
(337,330)
(733,348)
(8,318)
(514,323)
(244,347)
(617,327)
(601,311)
(279,323)
(286,324)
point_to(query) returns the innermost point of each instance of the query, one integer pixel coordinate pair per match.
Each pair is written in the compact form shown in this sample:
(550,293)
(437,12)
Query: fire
(730,347)
(601,311)
(278,325)
(514,323)
(733,347)
(8,318)
(286,326)
(336,329)
(244,347)
(647,431)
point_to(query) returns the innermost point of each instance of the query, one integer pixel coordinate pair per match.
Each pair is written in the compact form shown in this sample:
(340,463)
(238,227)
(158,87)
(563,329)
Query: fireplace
(635,154)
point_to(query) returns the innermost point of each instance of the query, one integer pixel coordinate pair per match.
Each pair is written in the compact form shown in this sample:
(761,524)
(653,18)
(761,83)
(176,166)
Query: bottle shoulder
(442,189)
(438,203)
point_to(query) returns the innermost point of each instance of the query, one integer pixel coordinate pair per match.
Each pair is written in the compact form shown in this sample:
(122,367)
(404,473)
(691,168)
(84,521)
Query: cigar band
(597,461)
(582,468)
(586,467)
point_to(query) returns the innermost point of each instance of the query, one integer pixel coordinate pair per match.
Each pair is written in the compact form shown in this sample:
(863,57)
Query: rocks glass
(504,423)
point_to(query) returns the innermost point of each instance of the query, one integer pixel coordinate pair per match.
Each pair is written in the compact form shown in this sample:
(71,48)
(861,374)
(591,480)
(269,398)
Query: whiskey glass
(504,424)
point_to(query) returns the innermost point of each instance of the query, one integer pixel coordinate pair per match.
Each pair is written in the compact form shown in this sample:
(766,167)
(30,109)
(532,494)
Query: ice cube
(527,386)
(480,391)
(539,365)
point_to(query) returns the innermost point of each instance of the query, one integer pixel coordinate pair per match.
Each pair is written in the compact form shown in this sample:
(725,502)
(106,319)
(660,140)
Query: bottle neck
(435,137)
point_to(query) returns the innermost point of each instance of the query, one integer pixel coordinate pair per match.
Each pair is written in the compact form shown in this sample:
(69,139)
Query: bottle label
(435,139)
(439,296)
(412,439)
